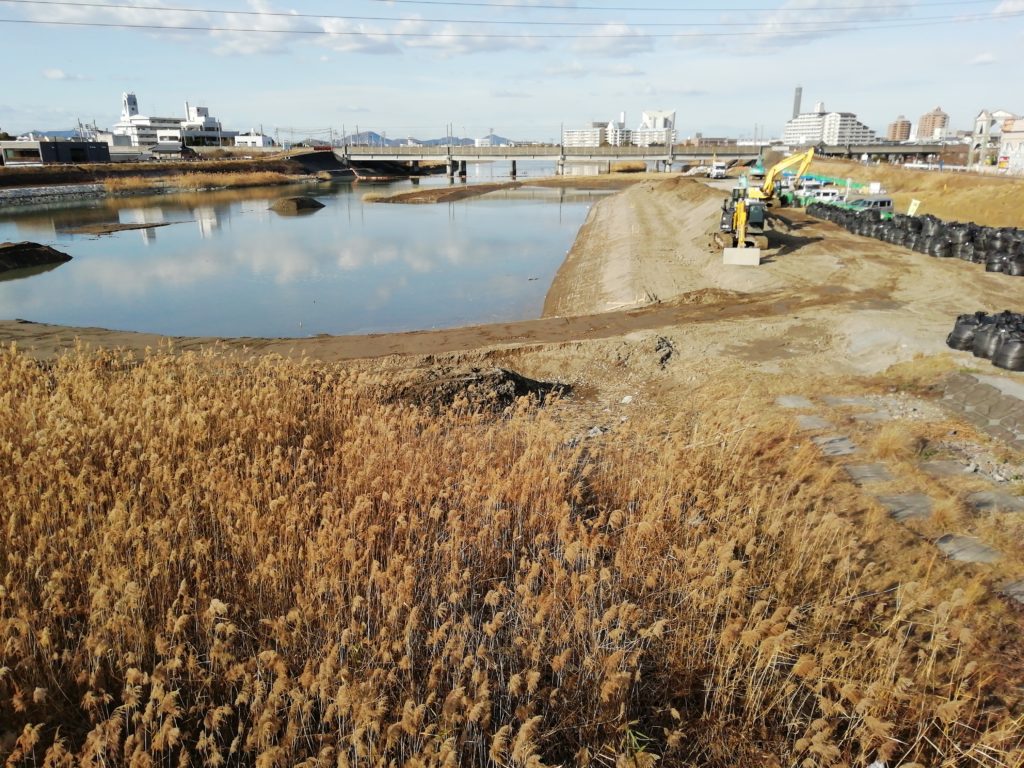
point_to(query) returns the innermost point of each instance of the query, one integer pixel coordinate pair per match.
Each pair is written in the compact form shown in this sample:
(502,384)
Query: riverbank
(719,505)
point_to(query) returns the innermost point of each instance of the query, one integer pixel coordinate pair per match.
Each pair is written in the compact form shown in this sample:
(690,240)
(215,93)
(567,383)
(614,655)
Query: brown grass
(209,560)
(197,181)
(629,166)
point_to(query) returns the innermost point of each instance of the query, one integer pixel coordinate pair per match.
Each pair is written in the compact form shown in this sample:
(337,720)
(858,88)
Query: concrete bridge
(455,157)
(458,156)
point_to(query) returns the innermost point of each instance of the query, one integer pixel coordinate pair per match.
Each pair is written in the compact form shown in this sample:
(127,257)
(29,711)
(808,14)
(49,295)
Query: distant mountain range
(371,138)
(375,139)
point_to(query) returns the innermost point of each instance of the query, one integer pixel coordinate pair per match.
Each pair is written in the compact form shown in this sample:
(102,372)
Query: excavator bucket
(742,257)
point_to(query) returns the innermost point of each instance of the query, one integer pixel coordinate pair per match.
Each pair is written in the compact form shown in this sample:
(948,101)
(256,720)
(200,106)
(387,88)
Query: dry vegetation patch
(211,560)
(196,181)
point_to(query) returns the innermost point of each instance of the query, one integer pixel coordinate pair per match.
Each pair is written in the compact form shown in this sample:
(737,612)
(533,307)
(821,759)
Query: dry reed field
(195,181)
(209,560)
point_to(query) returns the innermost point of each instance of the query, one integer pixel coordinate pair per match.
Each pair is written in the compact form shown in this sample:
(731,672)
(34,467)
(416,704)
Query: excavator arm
(767,189)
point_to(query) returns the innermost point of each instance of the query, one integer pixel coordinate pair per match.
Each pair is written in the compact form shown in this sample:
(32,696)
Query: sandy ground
(823,302)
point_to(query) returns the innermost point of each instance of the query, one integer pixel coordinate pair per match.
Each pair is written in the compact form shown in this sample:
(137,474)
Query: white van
(827,195)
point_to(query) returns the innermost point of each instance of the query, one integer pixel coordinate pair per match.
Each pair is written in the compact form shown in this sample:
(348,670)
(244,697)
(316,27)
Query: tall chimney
(797,96)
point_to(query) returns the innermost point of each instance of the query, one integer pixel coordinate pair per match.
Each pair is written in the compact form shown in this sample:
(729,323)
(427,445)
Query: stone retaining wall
(57,192)
(993,403)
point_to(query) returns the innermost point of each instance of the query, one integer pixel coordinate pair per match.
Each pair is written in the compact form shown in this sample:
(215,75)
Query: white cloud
(451,40)
(1009,6)
(572,69)
(348,37)
(788,25)
(614,39)
(53,73)
(982,59)
(626,70)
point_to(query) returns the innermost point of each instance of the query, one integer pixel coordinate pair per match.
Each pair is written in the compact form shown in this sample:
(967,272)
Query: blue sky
(411,67)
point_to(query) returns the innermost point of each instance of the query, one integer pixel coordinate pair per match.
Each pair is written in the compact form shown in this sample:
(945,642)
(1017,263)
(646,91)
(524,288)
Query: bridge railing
(547,151)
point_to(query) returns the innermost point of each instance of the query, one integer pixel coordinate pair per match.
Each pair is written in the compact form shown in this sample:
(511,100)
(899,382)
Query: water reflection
(20,274)
(355,267)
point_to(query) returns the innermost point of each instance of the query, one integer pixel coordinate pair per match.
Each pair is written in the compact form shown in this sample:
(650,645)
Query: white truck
(718,170)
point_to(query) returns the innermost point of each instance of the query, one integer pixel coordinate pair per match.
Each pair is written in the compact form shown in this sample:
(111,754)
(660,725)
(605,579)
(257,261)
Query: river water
(226,265)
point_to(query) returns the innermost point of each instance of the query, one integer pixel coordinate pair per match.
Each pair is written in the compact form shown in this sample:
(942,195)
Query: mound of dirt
(687,189)
(299,204)
(493,389)
(26,255)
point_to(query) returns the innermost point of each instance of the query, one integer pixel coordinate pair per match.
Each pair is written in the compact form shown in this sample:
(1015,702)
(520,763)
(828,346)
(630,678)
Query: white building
(254,139)
(197,129)
(656,128)
(617,134)
(140,130)
(594,136)
(821,127)
(985,138)
(1011,146)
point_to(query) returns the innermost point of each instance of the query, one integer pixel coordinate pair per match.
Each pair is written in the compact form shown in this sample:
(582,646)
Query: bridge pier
(462,170)
(560,168)
(450,168)
(513,169)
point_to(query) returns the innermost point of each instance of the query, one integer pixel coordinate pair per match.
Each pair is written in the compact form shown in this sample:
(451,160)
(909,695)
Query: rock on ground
(298,204)
(25,255)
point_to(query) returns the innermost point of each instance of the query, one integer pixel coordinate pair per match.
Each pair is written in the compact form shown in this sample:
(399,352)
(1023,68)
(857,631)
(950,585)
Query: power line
(327,16)
(713,9)
(331,17)
(851,26)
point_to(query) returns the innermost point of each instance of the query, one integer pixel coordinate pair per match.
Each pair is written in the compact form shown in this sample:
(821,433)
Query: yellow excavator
(744,211)
(773,178)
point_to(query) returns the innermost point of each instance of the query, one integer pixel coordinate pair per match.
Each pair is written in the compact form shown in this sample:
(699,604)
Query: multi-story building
(932,125)
(197,129)
(899,129)
(985,139)
(594,136)
(657,128)
(700,140)
(617,134)
(1011,146)
(141,130)
(254,139)
(821,127)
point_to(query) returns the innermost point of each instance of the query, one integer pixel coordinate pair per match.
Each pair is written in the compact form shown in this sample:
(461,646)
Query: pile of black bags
(999,249)
(999,338)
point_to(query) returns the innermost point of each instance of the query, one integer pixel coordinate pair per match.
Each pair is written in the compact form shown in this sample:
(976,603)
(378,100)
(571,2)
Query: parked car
(883,204)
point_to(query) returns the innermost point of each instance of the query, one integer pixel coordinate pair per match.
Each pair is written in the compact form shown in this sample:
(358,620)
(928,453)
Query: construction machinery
(772,182)
(744,212)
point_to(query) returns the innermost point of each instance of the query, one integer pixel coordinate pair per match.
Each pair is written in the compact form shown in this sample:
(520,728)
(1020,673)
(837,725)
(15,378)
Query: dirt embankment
(613,266)
(613,181)
(995,201)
